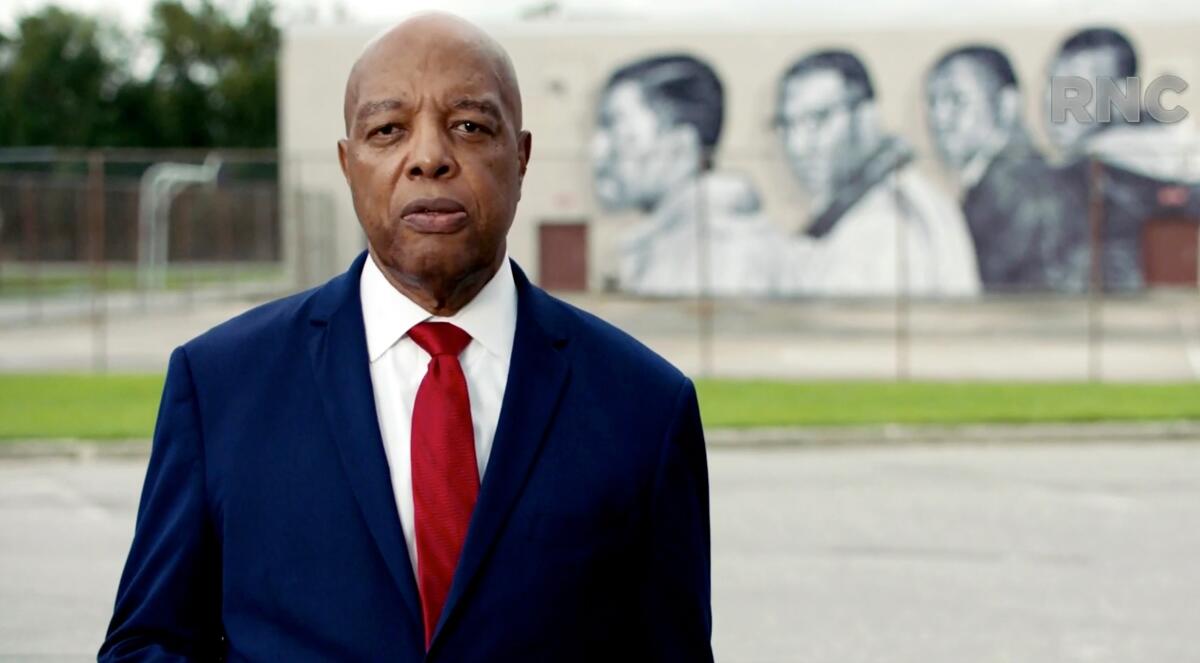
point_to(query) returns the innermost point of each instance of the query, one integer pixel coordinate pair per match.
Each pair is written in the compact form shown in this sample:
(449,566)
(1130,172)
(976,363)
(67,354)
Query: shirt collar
(978,164)
(388,314)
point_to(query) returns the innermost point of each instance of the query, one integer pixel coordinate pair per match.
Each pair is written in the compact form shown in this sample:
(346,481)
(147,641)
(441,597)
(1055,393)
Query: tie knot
(439,338)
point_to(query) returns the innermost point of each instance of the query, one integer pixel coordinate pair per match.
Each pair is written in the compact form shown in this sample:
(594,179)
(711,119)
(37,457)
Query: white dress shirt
(398,365)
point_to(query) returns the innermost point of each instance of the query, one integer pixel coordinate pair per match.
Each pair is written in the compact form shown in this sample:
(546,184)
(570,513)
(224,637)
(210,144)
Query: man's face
(961,110)
(434,158)
(1091,65)
(631,151)
(817,119)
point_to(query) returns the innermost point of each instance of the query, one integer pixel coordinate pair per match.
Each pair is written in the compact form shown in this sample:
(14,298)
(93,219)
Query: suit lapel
(338,351)
(537,374)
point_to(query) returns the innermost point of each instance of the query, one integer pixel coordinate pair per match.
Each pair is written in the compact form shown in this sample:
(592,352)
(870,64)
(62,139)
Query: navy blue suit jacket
(267,528)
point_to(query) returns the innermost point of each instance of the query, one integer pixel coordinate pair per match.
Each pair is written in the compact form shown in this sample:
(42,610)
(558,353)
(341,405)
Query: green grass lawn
(766,403)
(19,280)
(83,406)
(124,406)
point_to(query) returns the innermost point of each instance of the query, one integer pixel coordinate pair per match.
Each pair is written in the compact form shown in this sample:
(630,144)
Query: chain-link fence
(1017,268)
(1028,271)
(89,237)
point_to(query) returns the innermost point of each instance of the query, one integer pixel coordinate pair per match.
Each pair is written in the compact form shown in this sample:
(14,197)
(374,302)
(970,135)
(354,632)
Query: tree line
(196,76)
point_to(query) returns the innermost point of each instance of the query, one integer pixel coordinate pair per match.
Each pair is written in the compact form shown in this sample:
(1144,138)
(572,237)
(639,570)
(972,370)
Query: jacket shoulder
(599,342)
(270,322)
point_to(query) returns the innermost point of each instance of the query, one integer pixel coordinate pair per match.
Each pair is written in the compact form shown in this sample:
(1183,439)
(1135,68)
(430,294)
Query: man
(659,123)
(1131,163)
(872,212)
(1027,234)
(428,458)
(1093,55)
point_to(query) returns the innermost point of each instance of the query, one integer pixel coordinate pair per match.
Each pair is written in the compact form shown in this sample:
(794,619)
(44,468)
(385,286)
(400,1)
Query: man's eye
(388,129)
(472,127)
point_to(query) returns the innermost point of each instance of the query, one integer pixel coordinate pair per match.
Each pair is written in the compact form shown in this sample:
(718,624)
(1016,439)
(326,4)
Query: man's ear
(682,144)
(343,148)
(524,151)
(1008,108)
(865,117)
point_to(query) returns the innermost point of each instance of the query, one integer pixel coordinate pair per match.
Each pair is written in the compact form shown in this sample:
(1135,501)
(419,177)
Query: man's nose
(601,146)
(943,116)
(799,144)
(431,156)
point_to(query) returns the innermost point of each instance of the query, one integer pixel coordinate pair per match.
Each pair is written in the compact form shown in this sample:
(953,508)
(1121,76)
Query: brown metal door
(562,256)
(1169,251)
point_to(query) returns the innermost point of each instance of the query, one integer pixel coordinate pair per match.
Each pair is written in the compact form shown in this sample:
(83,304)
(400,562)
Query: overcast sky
(133,13)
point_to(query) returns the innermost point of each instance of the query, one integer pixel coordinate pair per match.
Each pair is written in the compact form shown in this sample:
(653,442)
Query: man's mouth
(434,215)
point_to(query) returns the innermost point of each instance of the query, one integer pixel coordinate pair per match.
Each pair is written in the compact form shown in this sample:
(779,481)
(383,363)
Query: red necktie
(445,477)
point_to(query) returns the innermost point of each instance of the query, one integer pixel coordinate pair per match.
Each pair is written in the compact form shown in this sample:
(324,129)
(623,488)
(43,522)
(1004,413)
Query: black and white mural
(1138,162)
(866,195)
(659,121)
(1026,230)
(1017,217)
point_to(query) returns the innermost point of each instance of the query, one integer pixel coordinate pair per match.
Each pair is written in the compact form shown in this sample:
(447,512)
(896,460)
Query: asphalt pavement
(1052,552)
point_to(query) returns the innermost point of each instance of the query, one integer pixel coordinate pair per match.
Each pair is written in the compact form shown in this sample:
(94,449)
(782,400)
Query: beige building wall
(563,66)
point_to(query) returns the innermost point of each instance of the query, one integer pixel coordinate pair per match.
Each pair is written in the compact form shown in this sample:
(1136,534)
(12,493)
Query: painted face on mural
(637,156)
(818,117)
(963,110)
(1091,65)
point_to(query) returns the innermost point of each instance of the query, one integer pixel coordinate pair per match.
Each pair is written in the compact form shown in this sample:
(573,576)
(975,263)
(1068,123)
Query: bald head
(422,40)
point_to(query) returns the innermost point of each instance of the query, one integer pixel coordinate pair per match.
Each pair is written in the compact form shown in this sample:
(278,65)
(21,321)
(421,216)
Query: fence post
(903,333)
(96,261)
(296,242)
(226,262)
(1096,272)
(186,261)
(29,229)
(704,299)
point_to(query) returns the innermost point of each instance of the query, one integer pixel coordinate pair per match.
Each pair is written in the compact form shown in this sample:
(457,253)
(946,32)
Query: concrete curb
(890,434)
(75,449)
(756,438)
